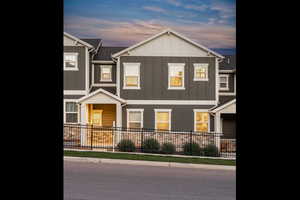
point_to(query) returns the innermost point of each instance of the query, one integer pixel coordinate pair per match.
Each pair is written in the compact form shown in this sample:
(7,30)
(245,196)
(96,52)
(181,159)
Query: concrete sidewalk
(148,163)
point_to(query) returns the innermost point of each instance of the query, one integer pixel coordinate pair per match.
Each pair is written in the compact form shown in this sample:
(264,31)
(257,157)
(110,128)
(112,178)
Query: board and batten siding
(75,80)
(182,116)
(154,79)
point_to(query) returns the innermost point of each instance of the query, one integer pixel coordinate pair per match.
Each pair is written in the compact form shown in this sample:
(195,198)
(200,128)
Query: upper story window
(201,120)
(223,81)
(106,73)
(176,76)
(131,76)
(71,61)
(200,72)
(135,118)
(163,119)
(71,112)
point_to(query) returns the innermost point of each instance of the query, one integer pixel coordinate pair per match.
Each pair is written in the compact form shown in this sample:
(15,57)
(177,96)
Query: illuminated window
(135,118)
(70,61)
(176,75)
(224,82)
(131,76)
(71,112)
(106,73)
(200,72)
(201,121)
(162,119)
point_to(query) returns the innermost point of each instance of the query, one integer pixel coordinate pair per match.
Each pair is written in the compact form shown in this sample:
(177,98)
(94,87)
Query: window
(70,61)
(176,75)
(135,118)
(131,76)
(105,73)
(162,119)
(201,121)
(71,112)
(200,72)
(224,82)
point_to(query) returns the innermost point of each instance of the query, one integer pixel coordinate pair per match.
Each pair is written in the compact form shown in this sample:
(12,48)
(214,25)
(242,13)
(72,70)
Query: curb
(148,163)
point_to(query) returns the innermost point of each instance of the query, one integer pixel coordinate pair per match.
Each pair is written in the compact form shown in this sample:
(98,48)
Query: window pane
(201,72)
(162,126)
(70,58)
(71,117)
(223,85)
(131,70)
(202,127)
(105,76)
(70,64)
(135,116)
(71,107)
(201,117)
(131,81)
(134,125)
(105,69)
(223,79)
(162,117)
(176,81)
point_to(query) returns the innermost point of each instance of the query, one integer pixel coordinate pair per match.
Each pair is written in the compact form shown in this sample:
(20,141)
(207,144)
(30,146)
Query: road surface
(90,181)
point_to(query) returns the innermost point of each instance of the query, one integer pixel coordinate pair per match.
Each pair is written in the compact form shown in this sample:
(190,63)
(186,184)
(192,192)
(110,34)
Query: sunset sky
(126,22)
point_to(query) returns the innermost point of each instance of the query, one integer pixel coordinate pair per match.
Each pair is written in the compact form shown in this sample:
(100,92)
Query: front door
(97,117)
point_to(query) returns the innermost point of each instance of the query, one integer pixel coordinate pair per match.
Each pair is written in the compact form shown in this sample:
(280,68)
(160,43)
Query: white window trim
(183,80)
(65,112)
(201,110)
(227,82)
(197,65)
(136,110)
(76,65)
(107,66)
(163,110)
(139,76)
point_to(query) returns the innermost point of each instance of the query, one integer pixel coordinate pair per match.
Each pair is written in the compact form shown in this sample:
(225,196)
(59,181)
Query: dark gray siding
(231,83)
(75,80)
(182,116)
(109,89)
(225,99)
(72,96)
(229,126)
(154,79)
(97,73)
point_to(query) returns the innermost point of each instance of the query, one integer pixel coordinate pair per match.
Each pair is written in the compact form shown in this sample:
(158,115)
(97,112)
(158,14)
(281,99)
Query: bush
(151,145)
(211,150)
(168,148)
(195,151)
(126,145)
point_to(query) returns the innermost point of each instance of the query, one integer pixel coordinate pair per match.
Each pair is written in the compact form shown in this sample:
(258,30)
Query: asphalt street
(90,181)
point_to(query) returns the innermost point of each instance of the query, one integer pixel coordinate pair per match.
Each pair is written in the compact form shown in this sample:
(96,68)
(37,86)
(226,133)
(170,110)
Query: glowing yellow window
(176,75)
(200,72)
(131,75)
(106,73)
(202,121)
(163,120)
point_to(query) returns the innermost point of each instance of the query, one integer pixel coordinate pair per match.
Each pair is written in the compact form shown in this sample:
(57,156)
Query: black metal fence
(147,140)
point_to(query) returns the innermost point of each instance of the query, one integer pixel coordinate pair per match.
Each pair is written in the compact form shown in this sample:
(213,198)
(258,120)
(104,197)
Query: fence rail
(183,142)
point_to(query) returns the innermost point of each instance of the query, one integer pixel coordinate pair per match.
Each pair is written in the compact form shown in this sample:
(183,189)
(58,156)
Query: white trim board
(78,40)
(103,62)
(74,92)
(171,102)
(104,85)
(100,90)
(224,106)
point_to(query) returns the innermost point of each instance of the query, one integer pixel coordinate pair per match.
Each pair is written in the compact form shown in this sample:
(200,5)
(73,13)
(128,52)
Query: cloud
(196,7)
(174,2)
(154,9)
(126,33)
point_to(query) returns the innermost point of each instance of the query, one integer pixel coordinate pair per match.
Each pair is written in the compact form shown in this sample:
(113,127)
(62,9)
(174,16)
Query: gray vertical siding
(73,96)
(75,80)
(182,116)
(154,79)
(97,73)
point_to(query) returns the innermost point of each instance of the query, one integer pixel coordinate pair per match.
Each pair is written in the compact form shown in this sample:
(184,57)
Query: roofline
(78,40)
(161,33)
(104,92)
(227,70)
(223,106)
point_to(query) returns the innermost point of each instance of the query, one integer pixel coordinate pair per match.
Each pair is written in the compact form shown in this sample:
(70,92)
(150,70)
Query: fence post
(92,130)
(191,140)
(113,138)
(142,140)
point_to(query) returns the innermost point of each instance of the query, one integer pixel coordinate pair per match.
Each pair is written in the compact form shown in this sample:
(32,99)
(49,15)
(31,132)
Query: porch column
(83,120)
(119,122)
(218,128)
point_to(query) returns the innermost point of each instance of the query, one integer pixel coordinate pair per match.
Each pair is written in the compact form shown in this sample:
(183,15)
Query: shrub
(126,145)
(168,148)
(151,145)
(191,149)
(211,150)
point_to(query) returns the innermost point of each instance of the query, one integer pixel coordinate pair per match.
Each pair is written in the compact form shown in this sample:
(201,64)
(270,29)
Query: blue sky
(126,22)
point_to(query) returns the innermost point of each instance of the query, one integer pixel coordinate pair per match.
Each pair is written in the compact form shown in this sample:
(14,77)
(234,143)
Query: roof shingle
(228,63)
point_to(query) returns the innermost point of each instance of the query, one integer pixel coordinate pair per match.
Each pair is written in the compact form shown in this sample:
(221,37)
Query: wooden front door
(96,117)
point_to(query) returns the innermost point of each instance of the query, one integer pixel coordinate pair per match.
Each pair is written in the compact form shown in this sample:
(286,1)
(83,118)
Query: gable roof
(92,41)
(105,53)
(228,63)
(78,40)
(222,106)
(100,90)
(162,33)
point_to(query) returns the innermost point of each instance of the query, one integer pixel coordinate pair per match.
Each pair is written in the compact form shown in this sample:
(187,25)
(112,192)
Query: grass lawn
(126,156)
